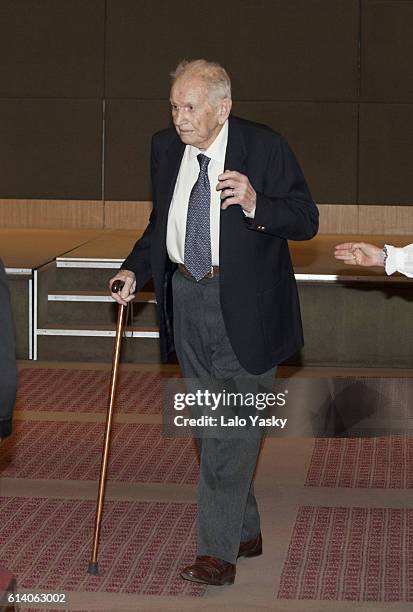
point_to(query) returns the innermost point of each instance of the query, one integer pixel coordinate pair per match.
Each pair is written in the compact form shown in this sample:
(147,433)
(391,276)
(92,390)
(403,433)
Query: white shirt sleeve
(251,214)
(400,260)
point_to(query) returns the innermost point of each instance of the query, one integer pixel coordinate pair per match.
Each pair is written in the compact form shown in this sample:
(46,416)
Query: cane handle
(117,286)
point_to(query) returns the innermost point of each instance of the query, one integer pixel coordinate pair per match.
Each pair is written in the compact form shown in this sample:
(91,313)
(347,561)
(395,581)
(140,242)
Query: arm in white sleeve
(400,260)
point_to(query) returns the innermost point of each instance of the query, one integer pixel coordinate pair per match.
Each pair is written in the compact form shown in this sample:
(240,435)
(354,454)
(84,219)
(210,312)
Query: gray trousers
(227,508)
(8,370)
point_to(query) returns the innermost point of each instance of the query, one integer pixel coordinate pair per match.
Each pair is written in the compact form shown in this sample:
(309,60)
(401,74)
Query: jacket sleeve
(139,259)
(286,208)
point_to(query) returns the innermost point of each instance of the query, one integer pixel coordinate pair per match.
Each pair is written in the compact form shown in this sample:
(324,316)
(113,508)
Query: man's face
(196,121)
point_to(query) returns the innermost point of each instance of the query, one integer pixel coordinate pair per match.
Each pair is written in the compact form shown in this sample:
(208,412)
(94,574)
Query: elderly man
(227,195)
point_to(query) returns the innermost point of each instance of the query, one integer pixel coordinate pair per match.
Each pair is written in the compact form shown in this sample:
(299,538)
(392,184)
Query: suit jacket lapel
(235,159)
(169,173)
(165,184)
(236,153)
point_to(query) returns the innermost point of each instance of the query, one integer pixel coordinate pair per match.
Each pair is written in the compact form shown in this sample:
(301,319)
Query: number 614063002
(31,597)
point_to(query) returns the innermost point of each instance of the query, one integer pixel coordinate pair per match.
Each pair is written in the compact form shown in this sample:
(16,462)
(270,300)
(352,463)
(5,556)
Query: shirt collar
(216,149)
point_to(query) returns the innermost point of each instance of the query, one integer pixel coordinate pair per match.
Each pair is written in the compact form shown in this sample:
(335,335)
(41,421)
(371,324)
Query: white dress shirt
(188,175)
(400,260)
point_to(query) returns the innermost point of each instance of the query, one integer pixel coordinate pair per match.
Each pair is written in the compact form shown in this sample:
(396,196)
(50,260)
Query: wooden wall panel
(338,218)
(83,214)
(127,215)
(366,219)
(386,220)
(59,214)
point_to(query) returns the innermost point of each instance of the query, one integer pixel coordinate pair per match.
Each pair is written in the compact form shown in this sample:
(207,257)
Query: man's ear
(224,110)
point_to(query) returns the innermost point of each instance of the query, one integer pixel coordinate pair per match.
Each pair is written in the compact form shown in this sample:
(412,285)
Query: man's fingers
(127,288)
(129,298)
(121,300)
(230,193)
(229,183)
(116,297)
(240,183)
(231,178)
(236,189)
(229,174)
(126,294)
(229,202)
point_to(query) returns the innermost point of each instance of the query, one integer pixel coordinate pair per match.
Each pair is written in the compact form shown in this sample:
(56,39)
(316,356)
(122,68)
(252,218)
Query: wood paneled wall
(61,214)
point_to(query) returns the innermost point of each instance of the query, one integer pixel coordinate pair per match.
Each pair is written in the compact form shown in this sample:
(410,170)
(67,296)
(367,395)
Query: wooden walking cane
(93,564)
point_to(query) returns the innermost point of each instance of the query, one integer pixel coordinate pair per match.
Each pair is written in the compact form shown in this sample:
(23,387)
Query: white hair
(213,74)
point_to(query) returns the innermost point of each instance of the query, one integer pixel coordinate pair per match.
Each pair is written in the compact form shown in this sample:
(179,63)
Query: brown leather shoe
(251,548)
(210,570)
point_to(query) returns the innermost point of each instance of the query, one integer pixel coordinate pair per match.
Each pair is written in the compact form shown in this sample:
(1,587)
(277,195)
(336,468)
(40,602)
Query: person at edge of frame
(8,369)
(227,196)
(392,259)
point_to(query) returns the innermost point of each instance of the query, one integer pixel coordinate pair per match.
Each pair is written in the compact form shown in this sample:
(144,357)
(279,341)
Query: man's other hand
(235,188)
(127,294)
(359,254)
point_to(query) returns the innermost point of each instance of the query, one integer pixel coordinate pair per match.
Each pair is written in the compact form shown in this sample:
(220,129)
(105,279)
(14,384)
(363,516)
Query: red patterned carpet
(385,462)
(335,553)
(46,543)
(139,453)
(88,390)
(354,554)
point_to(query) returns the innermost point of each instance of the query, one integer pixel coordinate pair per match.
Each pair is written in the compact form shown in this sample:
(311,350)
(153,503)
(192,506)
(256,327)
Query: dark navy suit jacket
(259,296)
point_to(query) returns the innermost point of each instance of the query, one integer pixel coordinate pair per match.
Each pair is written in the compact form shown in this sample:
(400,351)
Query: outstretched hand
(359,254)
